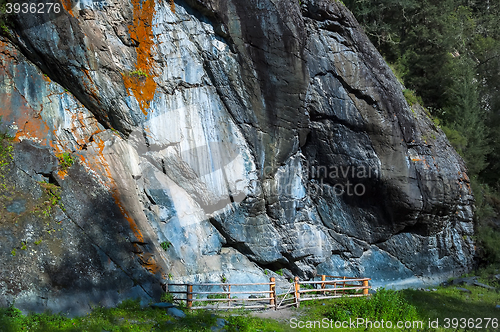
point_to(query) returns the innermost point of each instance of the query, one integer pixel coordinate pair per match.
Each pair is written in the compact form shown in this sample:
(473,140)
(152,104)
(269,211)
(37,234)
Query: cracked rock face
(217,140)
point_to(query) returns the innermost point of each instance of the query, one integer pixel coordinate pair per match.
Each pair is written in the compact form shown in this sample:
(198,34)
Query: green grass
(411,97)
(387,305)
(449,302)
(128,316)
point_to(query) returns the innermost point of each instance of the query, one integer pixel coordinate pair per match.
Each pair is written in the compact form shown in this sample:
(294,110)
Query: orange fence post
(297,292)
(229,295)
(365,290)
(272,289)
(189,296)
(323,278)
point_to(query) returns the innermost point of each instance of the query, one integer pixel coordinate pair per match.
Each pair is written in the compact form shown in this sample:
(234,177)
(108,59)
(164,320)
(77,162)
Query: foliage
(385,304)
(456,139)
(139,73)
(247,323)
(52,197)
(65,160)
(279,272)
(215,296)
(464,114)
(127,316)
(5,20)
(167,297)
(448,302)
(165,245)
(411,97)
(6,153)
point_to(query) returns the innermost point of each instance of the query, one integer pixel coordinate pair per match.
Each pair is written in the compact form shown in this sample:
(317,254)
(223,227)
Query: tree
(465,114)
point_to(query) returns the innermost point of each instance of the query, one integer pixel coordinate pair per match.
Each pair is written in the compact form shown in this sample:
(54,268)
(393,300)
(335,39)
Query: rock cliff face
(222,138)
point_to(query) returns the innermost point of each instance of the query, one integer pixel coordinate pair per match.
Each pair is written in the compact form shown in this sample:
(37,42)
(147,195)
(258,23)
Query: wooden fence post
(323,278)
(297,292)
(189,296)
(272,289)
(365,290)
(343,286)
(229,295)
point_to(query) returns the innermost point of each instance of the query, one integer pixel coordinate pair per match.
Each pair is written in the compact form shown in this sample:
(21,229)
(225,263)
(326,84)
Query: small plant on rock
(53,196)
(165,245)
(138,72)
(167,297)
(65,160)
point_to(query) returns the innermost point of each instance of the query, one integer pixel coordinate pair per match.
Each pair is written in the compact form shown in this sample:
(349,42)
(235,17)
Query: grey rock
(177,313)
(480,284)
(164,305)
(17,206)
(254,141)
(465,290)
(219,325)
(497,306)
(465,281)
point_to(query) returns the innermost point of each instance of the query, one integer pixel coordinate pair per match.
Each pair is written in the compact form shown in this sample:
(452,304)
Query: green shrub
(411,97)
(52,197)
(130,304)
(386,304)
(138,72)
(456,139)
(167,297)
(65,160)
(6,152)
(165,245)
(11,319)
(216,296)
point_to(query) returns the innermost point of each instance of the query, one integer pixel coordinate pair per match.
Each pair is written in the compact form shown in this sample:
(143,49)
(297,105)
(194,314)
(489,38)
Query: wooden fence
(231,296)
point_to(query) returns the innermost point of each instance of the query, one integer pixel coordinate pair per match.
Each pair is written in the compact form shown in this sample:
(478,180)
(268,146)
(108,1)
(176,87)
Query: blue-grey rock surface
(213,142)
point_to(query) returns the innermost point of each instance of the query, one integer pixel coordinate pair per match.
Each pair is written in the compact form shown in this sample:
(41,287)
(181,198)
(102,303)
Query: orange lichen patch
(149,263)
(62,173)
(114,188)
(172,6)
(82,128)
(133,225)
(67,5)
(98,162)
(422,159)
(33,129)
(143,85)
(90,86)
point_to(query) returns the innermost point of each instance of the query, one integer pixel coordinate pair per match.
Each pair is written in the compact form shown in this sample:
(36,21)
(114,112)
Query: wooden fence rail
(313,290)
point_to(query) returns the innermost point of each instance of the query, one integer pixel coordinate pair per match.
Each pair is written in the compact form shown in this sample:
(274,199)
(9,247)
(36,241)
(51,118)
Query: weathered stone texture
(224,131)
